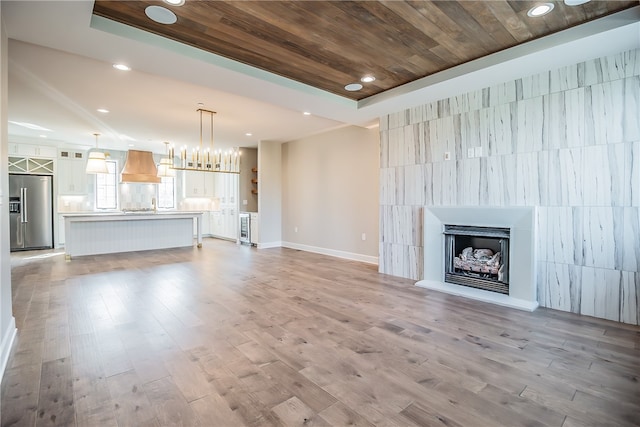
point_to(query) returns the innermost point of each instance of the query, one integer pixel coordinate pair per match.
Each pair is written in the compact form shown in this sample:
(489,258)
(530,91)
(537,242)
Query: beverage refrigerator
(31,211)
(245,227)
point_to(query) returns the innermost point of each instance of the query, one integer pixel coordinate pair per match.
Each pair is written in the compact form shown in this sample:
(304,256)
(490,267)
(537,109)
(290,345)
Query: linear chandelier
(165,168)
(207,159)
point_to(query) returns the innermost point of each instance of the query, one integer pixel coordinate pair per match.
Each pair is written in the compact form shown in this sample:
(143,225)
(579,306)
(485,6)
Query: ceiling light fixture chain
(200,151)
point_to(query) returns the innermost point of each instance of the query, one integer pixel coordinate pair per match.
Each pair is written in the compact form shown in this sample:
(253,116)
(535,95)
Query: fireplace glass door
(477,257)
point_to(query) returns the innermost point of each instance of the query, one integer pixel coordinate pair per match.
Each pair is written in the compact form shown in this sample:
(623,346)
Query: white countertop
(126,216)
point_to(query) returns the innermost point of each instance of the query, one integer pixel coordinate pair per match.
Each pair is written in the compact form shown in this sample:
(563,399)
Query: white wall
(566,141)
(330,193)
(7,321)
(270,194)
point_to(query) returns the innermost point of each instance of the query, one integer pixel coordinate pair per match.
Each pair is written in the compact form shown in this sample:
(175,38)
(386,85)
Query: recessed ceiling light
(540,9)
(131,145)
(43,136)
(121,67)
(306,113)
(367,79)
(103,110)
(353,87)
(161,15)
(575,2)
(174,2)
(248,134)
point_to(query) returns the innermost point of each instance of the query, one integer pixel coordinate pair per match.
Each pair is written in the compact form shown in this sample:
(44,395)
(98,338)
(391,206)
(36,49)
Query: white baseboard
(269,245)
(332,252)
(6,344)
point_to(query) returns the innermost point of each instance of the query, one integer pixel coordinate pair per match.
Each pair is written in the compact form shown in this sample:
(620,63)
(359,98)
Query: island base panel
(103,237)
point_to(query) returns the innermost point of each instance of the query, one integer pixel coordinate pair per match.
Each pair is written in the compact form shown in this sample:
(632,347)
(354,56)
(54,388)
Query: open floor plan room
(227,335)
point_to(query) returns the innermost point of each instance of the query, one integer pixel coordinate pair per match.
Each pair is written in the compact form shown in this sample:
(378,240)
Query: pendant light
(165,168)
(96,163)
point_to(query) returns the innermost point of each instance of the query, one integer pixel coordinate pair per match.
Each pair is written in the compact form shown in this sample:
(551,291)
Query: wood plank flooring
(233,336)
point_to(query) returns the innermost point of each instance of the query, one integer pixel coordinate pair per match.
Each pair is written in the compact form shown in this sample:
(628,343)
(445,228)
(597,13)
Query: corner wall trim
(332,252)
(269,245)
(6,344)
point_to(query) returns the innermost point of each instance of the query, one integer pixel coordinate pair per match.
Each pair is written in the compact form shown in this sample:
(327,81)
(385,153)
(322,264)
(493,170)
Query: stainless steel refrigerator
(31,212)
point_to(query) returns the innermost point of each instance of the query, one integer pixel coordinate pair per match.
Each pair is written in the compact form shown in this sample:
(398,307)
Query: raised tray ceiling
(329,44)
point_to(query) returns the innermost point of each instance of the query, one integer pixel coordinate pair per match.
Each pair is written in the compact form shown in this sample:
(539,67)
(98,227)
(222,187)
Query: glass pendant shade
(96,163)
(165,168)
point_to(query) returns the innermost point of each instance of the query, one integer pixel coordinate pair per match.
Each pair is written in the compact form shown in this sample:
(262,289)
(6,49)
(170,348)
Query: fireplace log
(478,261)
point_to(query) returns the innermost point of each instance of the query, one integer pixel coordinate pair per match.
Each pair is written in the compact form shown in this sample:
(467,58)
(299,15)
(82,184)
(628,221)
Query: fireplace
(477,257)
(508,230)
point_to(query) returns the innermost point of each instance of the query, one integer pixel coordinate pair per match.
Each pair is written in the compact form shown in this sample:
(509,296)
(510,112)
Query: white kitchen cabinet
(216,224)
(228,185)
(231,223)
(232,189)
(72,178)
(198,184)
(29,158)
(254,227)
(192,184)
(224,223)
(67,153)
(209,184)
(225,188)
(219,187)
(33,165)
(205,226)
(30,150)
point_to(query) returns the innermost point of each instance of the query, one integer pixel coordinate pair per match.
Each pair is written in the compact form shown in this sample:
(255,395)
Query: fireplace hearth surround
(520,223)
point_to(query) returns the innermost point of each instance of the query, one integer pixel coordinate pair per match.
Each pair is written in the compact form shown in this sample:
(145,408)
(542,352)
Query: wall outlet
(471,153)
(364,236)
(447,155)
(478,151)
(245,203)
(295,229)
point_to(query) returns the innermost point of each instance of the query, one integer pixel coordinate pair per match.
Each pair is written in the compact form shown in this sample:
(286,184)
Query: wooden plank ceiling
(329,44)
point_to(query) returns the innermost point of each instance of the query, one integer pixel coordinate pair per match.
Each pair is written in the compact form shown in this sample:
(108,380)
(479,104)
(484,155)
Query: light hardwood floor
(229,335)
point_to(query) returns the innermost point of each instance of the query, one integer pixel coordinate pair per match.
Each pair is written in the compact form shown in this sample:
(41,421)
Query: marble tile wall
(136,195)
(566,140)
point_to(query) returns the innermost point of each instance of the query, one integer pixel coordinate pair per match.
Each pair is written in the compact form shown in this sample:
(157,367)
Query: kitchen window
(167,193)
(107,187)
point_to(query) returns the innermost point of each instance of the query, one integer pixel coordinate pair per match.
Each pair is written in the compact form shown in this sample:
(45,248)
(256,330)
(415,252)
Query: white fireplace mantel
(522,256)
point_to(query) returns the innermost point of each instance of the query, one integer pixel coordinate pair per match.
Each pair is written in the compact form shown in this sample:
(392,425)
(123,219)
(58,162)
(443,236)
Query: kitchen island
(105,233)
